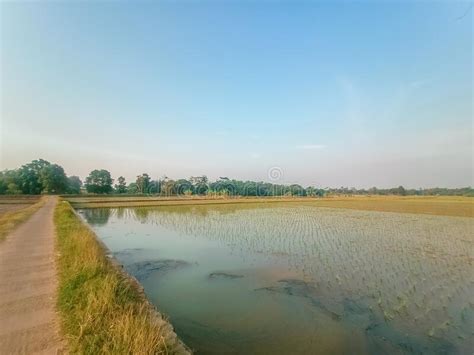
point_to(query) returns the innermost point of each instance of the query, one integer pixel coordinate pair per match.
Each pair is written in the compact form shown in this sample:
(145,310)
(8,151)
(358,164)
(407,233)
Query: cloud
(255,155)
(417,84)
(311,146)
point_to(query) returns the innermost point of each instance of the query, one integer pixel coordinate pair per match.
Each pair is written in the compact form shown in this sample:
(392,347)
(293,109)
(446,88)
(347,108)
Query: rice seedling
(410,272)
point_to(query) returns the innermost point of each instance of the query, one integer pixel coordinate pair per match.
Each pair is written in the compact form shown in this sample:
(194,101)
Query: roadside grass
(101,309)
(434,205)
(11,219)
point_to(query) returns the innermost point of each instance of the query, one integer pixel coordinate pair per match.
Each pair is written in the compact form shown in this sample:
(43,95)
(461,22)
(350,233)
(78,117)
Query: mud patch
(300,288)
(382,336)
(127,253)
(143,269)
(224,275)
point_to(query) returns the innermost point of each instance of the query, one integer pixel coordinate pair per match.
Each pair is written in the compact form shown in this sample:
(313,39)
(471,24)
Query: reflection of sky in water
(307,273)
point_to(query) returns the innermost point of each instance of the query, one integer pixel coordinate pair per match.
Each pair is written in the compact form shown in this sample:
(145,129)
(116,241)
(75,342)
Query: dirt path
(28,322)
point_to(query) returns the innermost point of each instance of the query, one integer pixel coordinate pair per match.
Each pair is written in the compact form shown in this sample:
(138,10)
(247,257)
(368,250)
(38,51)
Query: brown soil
(28,320)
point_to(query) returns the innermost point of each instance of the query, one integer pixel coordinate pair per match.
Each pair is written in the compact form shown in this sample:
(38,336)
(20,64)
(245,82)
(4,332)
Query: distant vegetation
(37,177)
(40,176)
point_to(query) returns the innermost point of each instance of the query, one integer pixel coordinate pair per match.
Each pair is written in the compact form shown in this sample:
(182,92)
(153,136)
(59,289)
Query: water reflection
(403,281)
(99,216)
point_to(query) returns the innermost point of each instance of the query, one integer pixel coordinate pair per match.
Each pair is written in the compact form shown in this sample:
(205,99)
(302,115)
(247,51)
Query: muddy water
(286,278)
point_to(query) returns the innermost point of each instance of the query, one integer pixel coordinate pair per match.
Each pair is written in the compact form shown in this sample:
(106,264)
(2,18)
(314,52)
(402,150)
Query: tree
(154,187)
(53,179)
(132,188)
(121,186)
(401,191)
(13,189)
(99,182)
(200,184)
(74,185)
(373,191)
(183,186)
(3,183)
(296,190)
(249,188)
(168,187)
(224,186)
(311,191)
(29,177)
(142,182)
(9,182)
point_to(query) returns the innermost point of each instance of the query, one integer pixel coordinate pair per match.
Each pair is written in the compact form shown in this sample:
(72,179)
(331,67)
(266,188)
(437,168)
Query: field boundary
(159,337)
(11,220)
(443,206)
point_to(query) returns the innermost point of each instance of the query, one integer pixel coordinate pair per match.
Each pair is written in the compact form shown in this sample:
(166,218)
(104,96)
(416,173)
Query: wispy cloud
(417,83)
(311,146)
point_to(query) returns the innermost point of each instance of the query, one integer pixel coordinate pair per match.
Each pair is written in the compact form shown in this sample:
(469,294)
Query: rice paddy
(294,277)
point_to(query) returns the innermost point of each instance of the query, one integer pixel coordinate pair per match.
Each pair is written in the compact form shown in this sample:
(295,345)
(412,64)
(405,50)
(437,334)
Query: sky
(330,94)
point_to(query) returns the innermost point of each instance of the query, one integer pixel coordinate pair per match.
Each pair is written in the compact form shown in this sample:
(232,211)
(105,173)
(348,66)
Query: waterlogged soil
(298,279)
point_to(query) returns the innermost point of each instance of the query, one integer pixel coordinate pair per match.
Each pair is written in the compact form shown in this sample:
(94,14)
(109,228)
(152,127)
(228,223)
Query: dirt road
(28,321)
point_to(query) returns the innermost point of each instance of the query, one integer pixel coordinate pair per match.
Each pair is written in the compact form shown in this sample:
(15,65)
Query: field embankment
(102,309)
(15,210)
(434,205)
(28,321)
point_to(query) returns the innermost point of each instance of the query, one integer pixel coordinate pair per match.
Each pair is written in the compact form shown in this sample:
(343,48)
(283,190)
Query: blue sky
(332,93)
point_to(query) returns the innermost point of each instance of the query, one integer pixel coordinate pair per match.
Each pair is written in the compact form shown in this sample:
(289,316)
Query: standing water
(294,278)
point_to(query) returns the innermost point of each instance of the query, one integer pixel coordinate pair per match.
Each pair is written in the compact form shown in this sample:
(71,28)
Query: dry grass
(11,199)
(12,214)
(102,310)
(435,205)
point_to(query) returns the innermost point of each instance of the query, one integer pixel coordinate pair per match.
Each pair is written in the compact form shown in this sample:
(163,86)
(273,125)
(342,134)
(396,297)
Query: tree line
(41,176)
(38,177)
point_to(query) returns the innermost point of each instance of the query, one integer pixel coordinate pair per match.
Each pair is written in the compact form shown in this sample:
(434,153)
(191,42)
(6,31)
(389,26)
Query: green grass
(101,309)
(11,219)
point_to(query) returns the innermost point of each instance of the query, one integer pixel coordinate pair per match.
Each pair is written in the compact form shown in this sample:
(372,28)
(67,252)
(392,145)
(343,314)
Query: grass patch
(11,219)
(101,309)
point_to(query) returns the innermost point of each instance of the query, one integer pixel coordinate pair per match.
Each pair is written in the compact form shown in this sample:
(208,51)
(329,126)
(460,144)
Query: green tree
(249,188)
(200,184)
(224,186)
(121,186)
(182,186)
(3,183)
(154,187)
(132,188)
(74,185)
(13,189)
(53,179)
(297,190)
(29,177)
(9,182)
(99,182)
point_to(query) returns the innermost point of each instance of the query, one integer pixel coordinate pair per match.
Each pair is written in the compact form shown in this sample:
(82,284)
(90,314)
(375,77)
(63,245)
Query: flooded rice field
(287,278)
